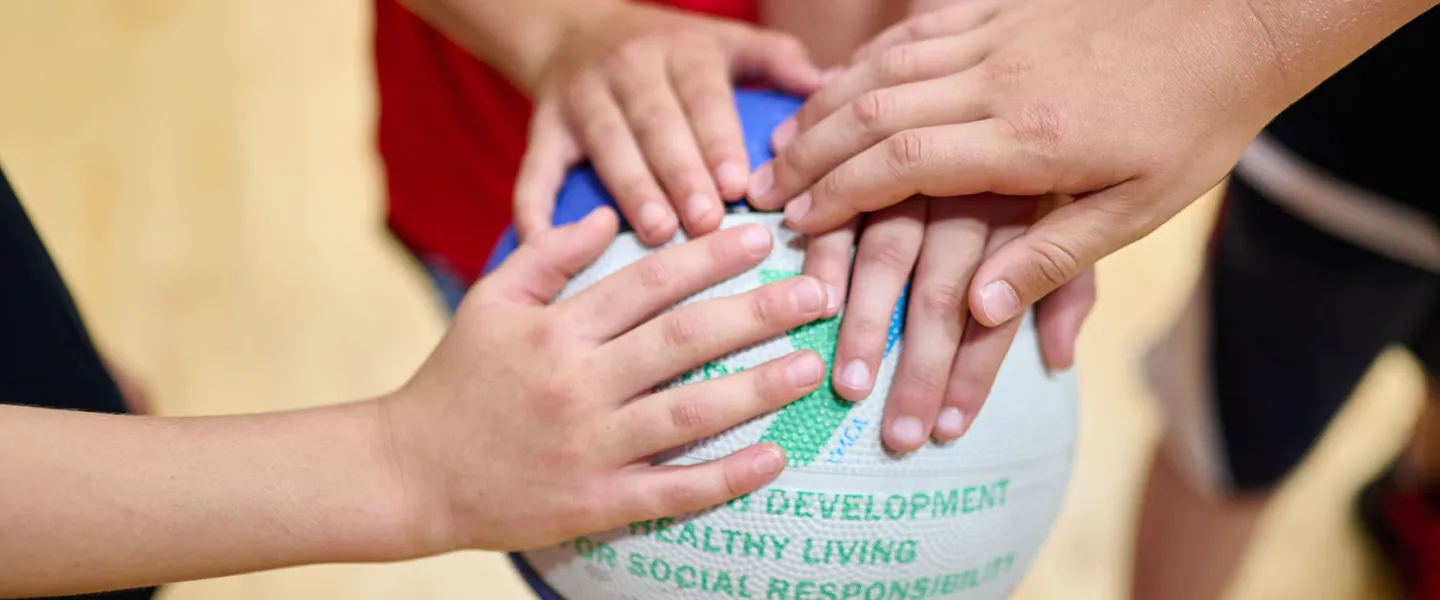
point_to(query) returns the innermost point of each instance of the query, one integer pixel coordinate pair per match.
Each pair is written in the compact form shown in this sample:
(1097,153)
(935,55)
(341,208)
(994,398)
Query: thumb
(545,262)
(549,154)
(1057,249)
(777,57)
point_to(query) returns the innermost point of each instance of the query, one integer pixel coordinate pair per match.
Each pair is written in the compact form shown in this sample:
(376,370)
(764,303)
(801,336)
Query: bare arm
(514,36)
(519,431)
(1132,107)
(93,502)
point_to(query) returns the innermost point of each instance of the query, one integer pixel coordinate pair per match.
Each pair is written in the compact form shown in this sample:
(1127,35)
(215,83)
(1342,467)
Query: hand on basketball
(646,94)
(1129,107)
(535,421)
(948,362)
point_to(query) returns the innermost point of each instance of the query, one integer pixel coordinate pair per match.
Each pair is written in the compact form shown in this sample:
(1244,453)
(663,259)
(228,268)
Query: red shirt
(451,134)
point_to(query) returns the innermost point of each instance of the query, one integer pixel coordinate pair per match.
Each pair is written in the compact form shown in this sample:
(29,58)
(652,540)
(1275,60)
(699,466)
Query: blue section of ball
(760,112)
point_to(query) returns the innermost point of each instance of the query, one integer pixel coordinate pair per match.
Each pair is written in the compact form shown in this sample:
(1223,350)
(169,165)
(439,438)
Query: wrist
(1305,42)
(530,60)
(424,521)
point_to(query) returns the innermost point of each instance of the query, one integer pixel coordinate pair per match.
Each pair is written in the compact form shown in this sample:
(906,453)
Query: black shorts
(1287,319)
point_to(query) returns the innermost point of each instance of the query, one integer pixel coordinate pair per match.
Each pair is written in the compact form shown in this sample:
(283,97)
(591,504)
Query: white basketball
(846,520)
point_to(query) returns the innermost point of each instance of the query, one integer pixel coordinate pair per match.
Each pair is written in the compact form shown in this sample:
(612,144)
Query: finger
(663,133)
(896,66)
(689,336)
(889,245)
(618,161)
(652,493)
(684,414)
(947,22)
(549,154)
(954,244)
(827,258)
(870,119)
(1059,247)
(1058,318)
(918,161)
(536,272)
(702,80)
(779,58)
(656,282)
(982,349)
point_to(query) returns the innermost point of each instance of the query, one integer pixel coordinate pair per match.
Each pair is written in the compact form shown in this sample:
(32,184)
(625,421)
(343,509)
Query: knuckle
(1038,125)
(547,334)
(679,496)
(921,384)
(690,416)
(1052,263)
(868,329)
(768,309)
(630,55)
(941,299)
(872,110)
(605,131)
(829,189)
(773,389)
(906,151)
(1006,70)
(654,274)
(634,187)
(898,64)
(679,330)
(650,116)
(918,29)
(703,95)
(794,158)
(590,511)
(720,145)
(888,250)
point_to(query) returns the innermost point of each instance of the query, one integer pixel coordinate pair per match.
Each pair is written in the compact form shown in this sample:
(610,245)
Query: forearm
(91,502)
(1312,39)
(513,36)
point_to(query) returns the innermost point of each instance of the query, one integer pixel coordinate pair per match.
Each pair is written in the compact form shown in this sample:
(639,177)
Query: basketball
(846,519)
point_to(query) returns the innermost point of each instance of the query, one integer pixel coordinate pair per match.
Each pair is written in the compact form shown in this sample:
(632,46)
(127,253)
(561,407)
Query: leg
(1282,327)
(1190,542)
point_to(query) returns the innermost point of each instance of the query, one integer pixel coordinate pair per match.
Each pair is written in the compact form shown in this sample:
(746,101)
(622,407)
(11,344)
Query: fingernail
(730,175)
(755,238)
(697,207)
(907,431)
(651,216)
(832,299)
(796,209)
(784,132)
(806,294)
(950,424)
(855,375)
(999,302)
(769,462)
(761,181)
(804,370)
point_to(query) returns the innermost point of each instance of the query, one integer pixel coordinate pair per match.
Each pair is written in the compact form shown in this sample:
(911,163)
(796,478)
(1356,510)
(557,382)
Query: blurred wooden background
(204,173)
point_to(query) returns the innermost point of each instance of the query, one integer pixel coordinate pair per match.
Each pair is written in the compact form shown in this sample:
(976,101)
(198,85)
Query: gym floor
(204,174)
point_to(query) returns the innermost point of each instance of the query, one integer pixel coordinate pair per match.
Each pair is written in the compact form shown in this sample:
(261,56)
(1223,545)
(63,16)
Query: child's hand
(646,94)
(949,361)
(533,422)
